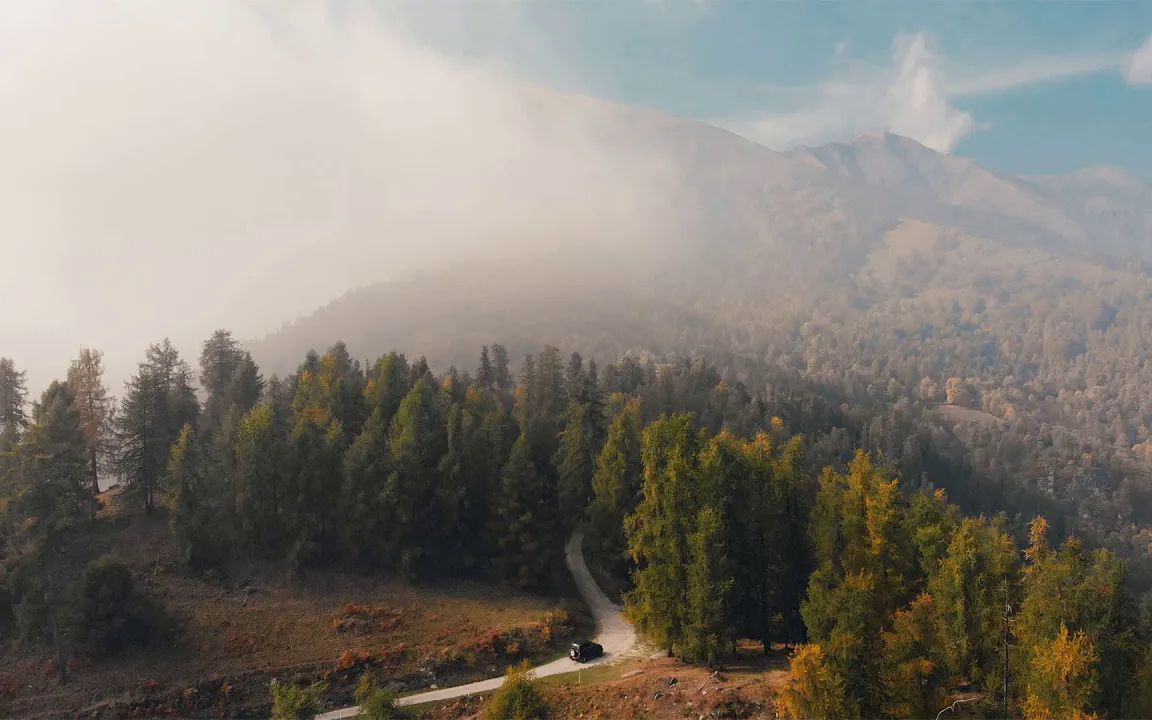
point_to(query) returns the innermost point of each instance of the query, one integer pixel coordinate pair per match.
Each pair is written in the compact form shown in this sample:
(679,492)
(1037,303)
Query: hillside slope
(898,276)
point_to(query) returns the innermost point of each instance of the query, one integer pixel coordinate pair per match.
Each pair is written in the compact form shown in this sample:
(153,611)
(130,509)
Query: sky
(1021,87)
(171,168)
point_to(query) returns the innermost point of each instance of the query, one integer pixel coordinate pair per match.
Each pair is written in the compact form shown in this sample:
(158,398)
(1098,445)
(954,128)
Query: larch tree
(199,523)
(261,488)
(96,408)
(816,690)
(968,588)
(913,674)
(1063,678)
(708,625)
(658,531)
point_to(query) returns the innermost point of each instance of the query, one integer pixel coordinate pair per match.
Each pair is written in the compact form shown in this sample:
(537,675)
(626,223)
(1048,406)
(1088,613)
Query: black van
(585,651)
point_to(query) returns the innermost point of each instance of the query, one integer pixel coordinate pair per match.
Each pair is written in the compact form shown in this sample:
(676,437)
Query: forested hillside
(733,510)
(999,322)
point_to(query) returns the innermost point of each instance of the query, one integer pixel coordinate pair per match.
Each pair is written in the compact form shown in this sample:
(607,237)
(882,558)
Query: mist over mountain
(749,235)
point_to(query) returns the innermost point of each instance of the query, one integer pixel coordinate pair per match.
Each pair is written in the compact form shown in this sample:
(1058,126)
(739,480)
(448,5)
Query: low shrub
(296,702)
(376,703)
(519,698)
(113,615)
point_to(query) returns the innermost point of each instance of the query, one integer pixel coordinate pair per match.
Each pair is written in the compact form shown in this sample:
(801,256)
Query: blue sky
(1019,86)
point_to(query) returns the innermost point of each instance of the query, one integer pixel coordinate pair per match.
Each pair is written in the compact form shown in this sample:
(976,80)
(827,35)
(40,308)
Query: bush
(112,614)
(375,702)
(519,698)
(293,702)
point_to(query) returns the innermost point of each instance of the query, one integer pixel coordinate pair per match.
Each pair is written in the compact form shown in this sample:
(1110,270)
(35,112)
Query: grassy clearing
(238,633)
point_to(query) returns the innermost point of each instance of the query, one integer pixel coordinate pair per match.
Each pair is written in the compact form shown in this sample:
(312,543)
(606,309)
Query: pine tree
(96,409)
(13,398)
(708,624)
(388,384)
(501,370)
(485,373)
(527,544)
(1083,591)
(229,377)
(616,482)
(913,675)
(158,402)
(968,589)
(1063,679)
(816,690)
(367,467)
(199,524)
(314,459)
(262,501)
(575,462)
(49,501)
(864,560)
(658,531)
(418,525)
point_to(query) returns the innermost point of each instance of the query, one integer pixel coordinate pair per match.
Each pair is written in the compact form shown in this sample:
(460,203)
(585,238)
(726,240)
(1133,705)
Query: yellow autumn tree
(816,690)
(1063,678)
(912,674)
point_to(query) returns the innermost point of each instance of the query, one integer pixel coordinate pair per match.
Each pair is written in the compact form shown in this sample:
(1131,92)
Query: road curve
(613,632)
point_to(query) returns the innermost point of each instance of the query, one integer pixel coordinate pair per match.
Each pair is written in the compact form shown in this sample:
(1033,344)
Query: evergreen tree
(913,675)
(418,507)
(575,461)
(658,531)
(485,373)
(96,409)
(388,384)
(1082,591)
(501,369)
(707,625)
(816,690)
(262,502)
(158,402)
(1063,678)
(13,398)
(229,377)
(527,543)
(616,482)
(367,467)
(199,525)
(863,562)
(49,502)
(314,458)
(968,588)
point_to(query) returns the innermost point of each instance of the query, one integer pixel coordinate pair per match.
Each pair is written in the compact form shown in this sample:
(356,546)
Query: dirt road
(613,632)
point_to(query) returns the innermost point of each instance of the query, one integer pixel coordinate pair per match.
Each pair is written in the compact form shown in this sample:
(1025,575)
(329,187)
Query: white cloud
(1036,71)
(1139,69)
(907,97)
(913,95)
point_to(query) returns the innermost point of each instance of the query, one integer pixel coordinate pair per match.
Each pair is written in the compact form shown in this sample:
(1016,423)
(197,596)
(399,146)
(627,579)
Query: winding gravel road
(613,632)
